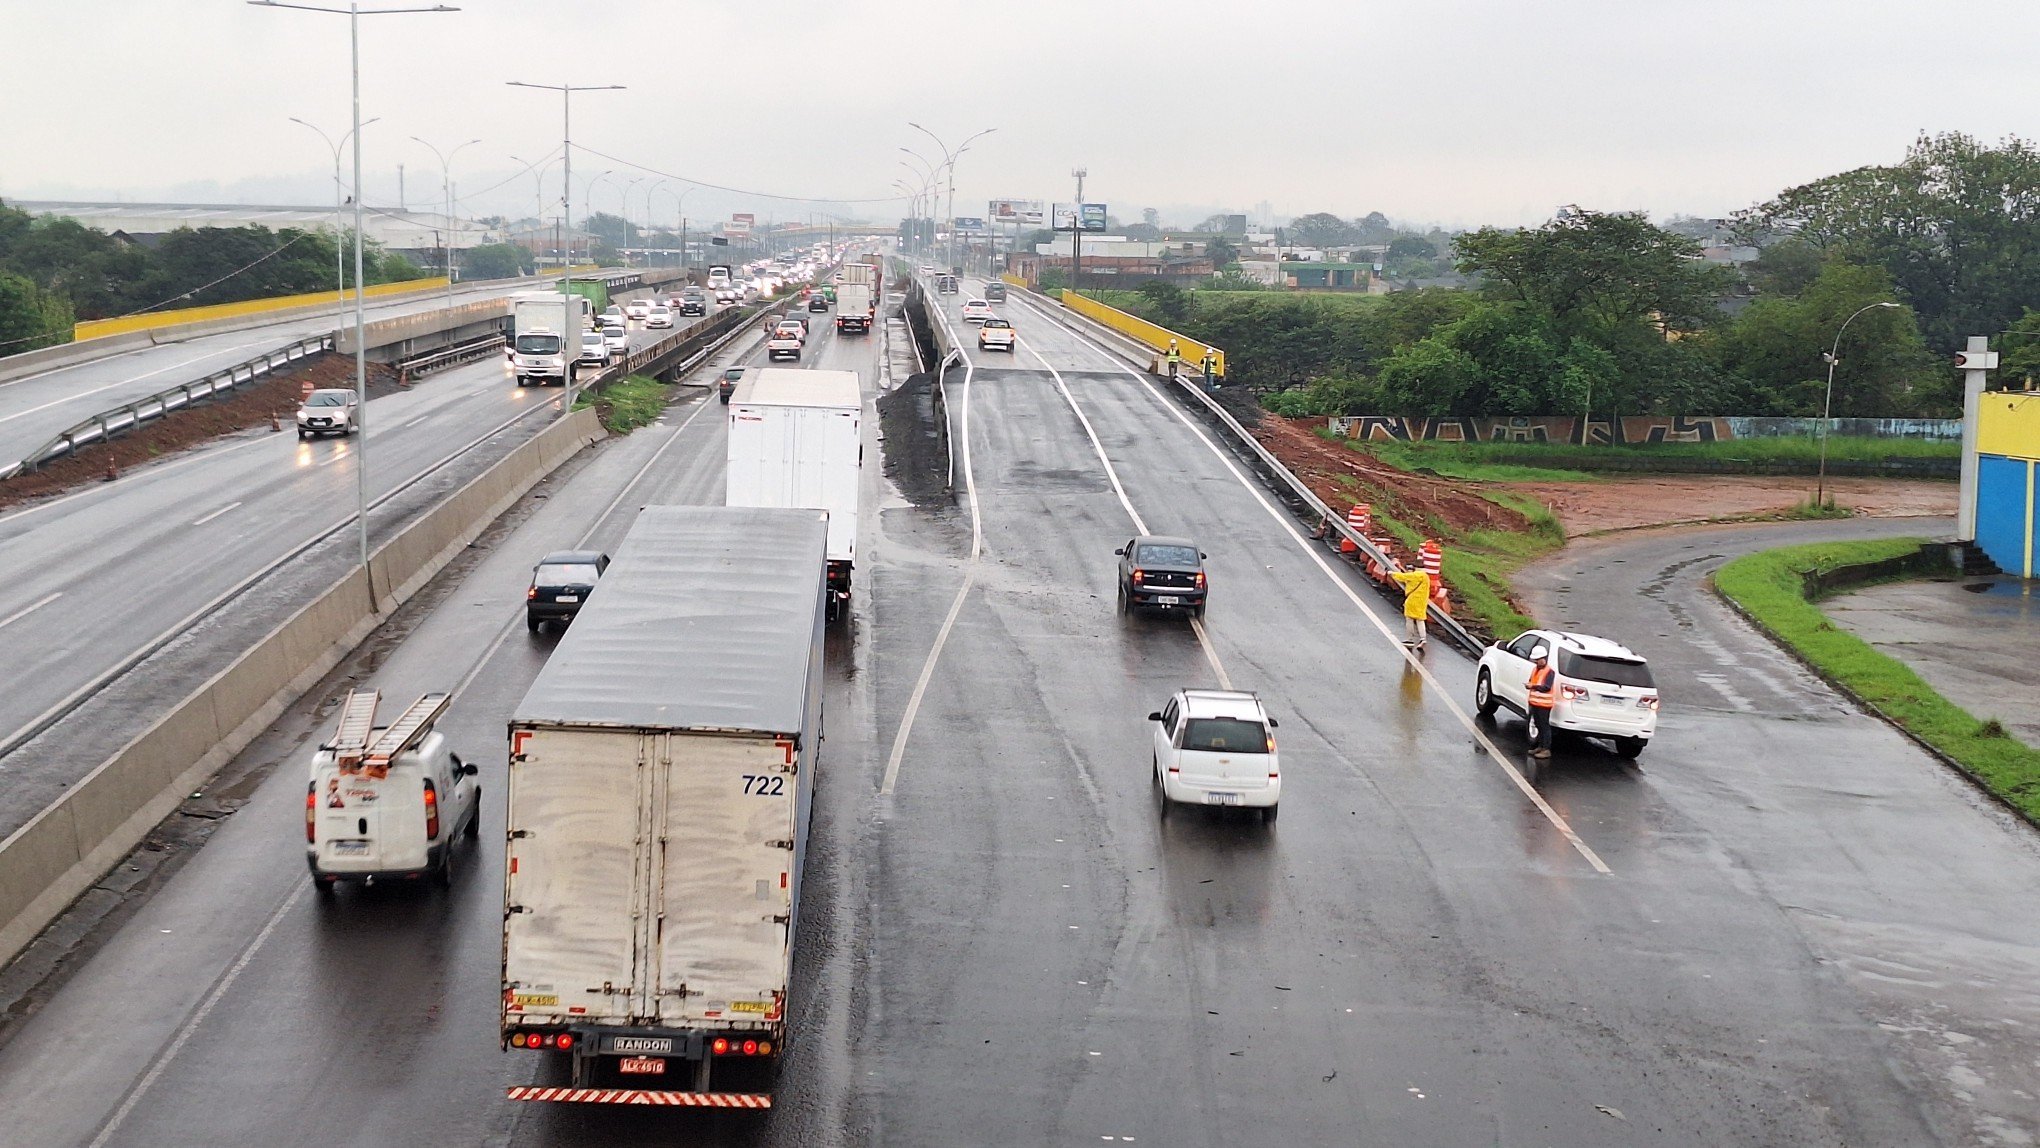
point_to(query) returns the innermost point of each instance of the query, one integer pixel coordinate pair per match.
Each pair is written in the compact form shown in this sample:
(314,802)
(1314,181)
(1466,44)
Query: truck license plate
(350,848)
(1221,799)
(567,598)
(1168,600)
(643,1065)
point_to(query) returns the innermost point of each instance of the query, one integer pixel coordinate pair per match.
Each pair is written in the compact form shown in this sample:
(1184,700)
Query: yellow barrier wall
(1014,281)
(2008,423)
(95,328)
(1145,332)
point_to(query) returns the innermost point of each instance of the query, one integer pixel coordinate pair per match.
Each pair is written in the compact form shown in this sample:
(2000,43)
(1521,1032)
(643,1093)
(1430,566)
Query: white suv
(1604,688)
(977,311)
(1213,747)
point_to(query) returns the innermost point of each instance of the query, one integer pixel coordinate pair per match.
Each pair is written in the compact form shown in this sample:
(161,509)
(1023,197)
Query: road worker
(1210,363)
(1416,605)
(1543,695)
(1175,358)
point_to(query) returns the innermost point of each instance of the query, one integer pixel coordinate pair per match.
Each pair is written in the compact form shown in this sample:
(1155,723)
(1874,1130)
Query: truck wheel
(474,825)
(1268,814)
(323,886)
(1629,747)
(1122,607)
(532,623)
(1161,794)
(445,874)
(1484,695)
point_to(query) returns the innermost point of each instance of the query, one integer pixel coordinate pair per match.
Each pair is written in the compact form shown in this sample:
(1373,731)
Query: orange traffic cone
(1361,520)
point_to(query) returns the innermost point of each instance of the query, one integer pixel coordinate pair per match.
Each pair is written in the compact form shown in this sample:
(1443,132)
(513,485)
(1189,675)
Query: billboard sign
(1092,217)
(1064,216)
(1067,215)
(740,223)
(968,225)
(1019,212)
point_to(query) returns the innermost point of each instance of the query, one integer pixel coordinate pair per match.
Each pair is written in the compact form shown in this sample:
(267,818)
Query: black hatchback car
(1162,572)
(560,583)
(995,292)
(818,302)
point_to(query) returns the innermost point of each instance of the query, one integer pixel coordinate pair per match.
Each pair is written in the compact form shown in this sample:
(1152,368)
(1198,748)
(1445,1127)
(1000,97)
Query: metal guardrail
(1293,487)
(106,424)
(465,352)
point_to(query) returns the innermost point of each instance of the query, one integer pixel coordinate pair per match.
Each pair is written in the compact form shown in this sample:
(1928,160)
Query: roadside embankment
(1776,590)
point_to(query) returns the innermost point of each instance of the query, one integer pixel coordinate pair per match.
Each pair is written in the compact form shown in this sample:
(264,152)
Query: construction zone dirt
(1342,476)
(1666,500)
(249,408)
(911,419)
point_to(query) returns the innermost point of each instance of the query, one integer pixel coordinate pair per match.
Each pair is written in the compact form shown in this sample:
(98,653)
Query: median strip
(1776,591)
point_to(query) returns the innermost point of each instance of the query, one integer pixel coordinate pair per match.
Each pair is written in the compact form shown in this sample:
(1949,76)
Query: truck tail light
(750,1048)
(720,1046)
(531,594)
(517,1040)
(1200,586)
(1647,702)
(311,812)
(431,811)
(1573,693)
(564,1040)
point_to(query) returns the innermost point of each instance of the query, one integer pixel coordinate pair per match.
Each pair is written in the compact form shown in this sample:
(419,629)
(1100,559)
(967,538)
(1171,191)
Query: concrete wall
(271,308)
(48,862)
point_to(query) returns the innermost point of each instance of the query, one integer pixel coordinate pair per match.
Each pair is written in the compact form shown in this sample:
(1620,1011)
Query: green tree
(31,317)
(1223,252)
(1411,247)
(1319,229)
(1955,224)
(1234,279)
(496,261)
(1775,350)
(614,230)
(1166,300)
(1591,273)
(1787,267)
(1430,377)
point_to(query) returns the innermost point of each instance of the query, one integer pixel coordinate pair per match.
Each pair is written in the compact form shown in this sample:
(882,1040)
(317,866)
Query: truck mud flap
(642,1096)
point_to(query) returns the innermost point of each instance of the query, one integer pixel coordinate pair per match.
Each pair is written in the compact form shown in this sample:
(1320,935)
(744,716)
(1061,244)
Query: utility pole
(1077,235)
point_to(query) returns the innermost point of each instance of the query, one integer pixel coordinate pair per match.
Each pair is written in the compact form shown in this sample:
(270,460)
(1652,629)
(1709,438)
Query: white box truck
(545,335)
(662,768)
(795,440)
(853,308)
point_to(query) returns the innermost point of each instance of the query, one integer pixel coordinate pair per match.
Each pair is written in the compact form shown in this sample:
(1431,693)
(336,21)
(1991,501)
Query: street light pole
(339,247)
(566,92)
(354,13)
(538,201)
(446,185)
(1077,234)
(1827,405)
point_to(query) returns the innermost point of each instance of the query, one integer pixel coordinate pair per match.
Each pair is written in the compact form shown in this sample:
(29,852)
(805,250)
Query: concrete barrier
(268,308)
(58,855)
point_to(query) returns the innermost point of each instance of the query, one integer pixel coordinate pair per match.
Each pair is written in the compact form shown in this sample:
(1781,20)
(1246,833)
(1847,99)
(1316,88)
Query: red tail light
(311,811)
(1649,703)
(1139,576)
(1575,693)
(750,1048)
(431,811)
(720,1046)
(531,593)
(1200,584)
(565,1040)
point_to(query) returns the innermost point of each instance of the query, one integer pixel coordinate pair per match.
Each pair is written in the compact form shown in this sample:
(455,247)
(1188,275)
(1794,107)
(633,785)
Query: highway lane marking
(191,1023)
(1139,524)
(25,611)
(970,573)
(76,395)
(414,422)
(1487,744)
(216,513)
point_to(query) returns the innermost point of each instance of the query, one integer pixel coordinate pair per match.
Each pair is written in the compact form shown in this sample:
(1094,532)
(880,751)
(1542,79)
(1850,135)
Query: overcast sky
(1459,112)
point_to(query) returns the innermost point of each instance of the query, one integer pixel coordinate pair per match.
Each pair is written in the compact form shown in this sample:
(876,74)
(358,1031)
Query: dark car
(693,305)
(560,583)
(818,302)
(1161,572)
(727,385)
(945,285)
(995,292)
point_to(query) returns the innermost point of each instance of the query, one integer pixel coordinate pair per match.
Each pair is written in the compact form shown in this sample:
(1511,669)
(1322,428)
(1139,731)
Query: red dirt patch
(1665,500)
(1342,476)
(246,409)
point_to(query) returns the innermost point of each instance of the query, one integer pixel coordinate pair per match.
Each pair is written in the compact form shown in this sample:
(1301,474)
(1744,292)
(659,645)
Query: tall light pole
(538,201)
(1077,234)
(446,185)
(354,12)
(339,247)
(1827,405)
(566,92)
(930,177)
(949,161)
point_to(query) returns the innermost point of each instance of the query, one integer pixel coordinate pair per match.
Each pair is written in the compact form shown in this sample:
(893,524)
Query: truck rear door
(577,891)
(725,861)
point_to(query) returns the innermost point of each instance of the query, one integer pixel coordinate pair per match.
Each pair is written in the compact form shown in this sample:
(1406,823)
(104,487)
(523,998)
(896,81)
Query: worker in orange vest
(1416,605)
(1543,696)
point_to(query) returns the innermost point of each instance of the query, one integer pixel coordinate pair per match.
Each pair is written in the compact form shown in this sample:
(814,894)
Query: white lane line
(1493,751)
(970,573)
(25,611)
(74,396)
(415,422)
(191,1023)
(216,513)
(1139,524)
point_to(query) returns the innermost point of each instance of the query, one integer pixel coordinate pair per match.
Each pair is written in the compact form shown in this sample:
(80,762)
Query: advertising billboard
(1064,216)
(1018,212)
(1093,217)
(968,225)
(740,223)
(1067,215)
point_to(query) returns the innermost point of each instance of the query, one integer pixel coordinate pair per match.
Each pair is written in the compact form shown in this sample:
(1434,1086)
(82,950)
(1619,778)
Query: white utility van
(388,803)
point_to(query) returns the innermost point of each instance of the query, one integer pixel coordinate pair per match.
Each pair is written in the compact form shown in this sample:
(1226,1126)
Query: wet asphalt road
(1003,944)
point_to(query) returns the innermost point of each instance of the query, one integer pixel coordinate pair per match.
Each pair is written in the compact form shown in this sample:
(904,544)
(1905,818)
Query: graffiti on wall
(1630,430)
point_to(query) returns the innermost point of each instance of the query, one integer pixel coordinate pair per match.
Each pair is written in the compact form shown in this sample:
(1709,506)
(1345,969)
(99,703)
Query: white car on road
(1215,747)
(977,311)
(659,317)
(996,335)
(1604,688)
(617,340)
(637,308)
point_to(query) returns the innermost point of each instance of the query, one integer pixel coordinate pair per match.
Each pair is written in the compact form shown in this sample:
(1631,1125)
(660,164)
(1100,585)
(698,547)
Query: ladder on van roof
(357,725)
(407,731)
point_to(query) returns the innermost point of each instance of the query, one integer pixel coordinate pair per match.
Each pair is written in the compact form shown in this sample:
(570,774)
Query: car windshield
(996,324)
(1225,735)
(538,344)
(1612,671)
(1167,555)
(565,574)
(327,399)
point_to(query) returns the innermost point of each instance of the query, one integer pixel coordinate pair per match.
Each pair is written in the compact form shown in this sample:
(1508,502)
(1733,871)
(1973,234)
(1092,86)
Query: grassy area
(627,404)
(1479,562)
(1529,461)
(1769,587)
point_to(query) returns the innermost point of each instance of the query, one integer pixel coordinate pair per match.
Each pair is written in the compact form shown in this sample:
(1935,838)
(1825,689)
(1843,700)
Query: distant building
(409,232)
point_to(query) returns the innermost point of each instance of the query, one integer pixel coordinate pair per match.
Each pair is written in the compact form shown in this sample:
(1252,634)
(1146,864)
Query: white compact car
(659,317)
(327,411)
(388,802)
(1214,747)
(617,340)
(1604,688)
(637,308)
(594,350)
(977,311)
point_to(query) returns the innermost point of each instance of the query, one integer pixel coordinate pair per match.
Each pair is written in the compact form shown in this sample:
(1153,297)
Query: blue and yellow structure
(2007,497)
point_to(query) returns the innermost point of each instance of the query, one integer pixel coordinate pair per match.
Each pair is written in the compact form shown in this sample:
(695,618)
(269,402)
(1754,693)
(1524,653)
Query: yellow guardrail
(1014,281)
(1150,334)
(96,328)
